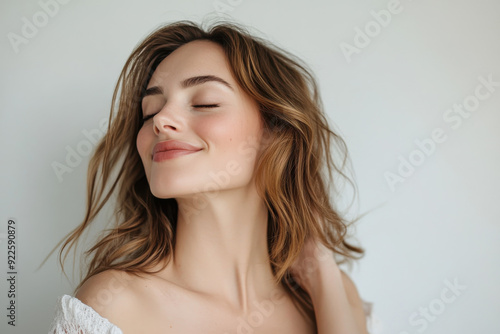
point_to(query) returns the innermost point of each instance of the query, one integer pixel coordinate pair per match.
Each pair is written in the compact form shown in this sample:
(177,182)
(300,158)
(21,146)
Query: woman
(223,219)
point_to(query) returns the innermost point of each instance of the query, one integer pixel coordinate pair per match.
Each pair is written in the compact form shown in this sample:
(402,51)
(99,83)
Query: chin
(163,193)
(166,190)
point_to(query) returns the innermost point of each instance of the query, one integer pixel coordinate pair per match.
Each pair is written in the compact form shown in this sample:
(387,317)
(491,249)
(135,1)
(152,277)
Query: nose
(166,120)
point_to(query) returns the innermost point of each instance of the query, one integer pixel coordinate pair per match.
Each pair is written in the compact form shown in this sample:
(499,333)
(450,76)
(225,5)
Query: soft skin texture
(221,233)
(219,277)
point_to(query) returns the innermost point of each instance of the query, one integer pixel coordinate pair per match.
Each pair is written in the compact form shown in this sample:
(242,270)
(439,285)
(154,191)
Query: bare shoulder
(109,293)
(355,300)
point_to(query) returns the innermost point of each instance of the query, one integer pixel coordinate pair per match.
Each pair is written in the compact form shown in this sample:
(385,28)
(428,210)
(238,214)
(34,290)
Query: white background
(441,223)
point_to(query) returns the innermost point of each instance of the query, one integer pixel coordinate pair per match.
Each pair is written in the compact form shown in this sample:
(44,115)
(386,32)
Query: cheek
(142,143)
(225,133)
(234,139)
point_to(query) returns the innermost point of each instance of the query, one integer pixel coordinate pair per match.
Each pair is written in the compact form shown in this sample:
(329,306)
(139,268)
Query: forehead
(199,57)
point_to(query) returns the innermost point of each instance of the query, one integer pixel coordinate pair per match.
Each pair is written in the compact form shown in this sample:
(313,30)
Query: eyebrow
(189,82)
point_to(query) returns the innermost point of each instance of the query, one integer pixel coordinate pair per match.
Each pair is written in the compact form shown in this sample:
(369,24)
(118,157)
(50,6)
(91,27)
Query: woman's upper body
(223,141)
(114,302)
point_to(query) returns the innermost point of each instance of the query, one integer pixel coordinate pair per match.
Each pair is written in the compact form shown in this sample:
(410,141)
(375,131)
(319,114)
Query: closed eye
(206,106)
(145,118)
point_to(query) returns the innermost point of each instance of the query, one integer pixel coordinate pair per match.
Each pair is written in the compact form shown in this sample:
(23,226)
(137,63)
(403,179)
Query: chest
(199,316)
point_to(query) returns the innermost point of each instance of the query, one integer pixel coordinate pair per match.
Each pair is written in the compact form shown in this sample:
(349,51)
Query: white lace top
(74,317)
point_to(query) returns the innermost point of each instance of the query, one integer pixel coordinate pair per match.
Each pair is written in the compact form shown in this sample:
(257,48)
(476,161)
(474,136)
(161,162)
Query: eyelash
(145,118)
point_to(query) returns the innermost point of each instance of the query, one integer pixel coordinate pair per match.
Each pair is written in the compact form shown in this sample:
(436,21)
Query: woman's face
(192,98)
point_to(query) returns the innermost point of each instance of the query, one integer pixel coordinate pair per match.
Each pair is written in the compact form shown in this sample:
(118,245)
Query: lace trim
(74,317)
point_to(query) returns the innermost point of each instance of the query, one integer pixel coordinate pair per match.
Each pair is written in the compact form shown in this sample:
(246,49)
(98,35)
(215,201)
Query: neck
(221,246)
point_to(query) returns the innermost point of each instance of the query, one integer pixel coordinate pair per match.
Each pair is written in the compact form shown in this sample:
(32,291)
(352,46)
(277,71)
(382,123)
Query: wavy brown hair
(294,174)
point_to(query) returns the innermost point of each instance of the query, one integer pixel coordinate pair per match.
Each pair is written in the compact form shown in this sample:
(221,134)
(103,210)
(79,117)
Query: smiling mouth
(170,154)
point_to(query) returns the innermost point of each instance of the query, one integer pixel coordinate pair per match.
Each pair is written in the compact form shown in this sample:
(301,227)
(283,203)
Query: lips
(172,148)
